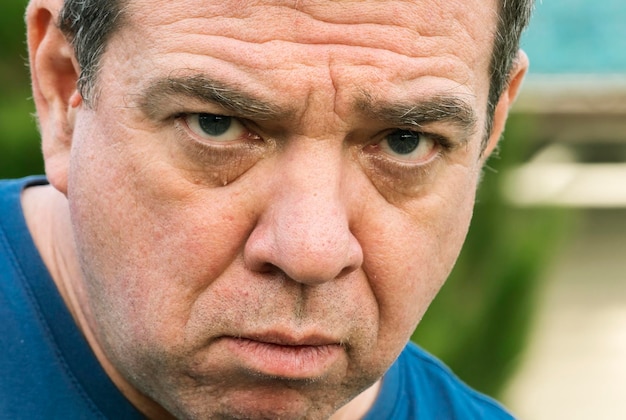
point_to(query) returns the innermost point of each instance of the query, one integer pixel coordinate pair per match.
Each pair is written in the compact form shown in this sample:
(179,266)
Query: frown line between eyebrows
(160,93)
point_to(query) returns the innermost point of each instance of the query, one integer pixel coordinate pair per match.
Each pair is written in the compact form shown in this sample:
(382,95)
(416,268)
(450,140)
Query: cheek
(149,240)
(409,260)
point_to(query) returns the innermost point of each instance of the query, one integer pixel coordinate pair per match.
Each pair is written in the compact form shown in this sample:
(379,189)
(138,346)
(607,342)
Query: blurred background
(535,310)
(574,363)
(536,307)
(19,142)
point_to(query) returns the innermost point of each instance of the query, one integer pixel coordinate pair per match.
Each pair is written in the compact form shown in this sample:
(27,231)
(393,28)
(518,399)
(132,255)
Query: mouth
(309,357)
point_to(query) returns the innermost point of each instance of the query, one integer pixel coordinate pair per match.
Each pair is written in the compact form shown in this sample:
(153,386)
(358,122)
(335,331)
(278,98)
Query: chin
(277,403)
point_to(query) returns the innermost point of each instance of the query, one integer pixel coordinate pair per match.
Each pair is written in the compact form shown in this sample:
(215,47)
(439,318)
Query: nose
(304,231)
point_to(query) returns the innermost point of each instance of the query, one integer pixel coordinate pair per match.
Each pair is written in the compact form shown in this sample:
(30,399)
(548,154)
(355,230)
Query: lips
(291,340)
(283,356)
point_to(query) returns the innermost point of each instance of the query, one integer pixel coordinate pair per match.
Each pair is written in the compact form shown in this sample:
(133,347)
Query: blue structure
(577,37)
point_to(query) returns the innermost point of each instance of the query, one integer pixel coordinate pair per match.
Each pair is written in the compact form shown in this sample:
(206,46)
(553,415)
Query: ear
(54,73)
(501,113)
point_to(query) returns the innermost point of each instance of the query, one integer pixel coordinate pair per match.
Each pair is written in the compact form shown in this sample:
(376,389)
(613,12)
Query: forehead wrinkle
(338,23)
(206,90)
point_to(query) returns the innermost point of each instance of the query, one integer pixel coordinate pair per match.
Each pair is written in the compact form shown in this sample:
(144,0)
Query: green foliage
(19,145)
(12,28)
(20,152)
(478,323)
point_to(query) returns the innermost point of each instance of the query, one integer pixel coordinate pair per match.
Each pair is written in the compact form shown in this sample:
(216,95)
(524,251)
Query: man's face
(267,196)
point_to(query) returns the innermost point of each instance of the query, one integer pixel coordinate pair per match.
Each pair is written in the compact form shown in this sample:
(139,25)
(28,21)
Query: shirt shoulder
(48,369)
(418,385)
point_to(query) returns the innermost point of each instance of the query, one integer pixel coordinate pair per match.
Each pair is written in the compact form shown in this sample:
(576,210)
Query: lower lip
(292,362)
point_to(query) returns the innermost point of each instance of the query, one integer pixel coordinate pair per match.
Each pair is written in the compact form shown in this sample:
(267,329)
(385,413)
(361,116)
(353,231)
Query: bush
(478,323)
(19,147)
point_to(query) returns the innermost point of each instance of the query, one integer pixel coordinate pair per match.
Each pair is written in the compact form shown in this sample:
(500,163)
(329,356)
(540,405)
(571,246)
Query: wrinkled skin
(275,271)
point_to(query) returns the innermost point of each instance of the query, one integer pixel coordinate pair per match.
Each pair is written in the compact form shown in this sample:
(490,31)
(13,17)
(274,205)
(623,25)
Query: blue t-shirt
(47,369)
(419,386)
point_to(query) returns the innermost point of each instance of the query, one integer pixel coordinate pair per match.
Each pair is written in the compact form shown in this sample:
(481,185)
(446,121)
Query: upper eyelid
(442,134)
(443,141)
(249,125)
(245,123)
(184,118)
(220,113)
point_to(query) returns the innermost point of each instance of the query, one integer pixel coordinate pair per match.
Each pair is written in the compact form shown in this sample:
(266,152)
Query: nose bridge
(311,179)
(305,231)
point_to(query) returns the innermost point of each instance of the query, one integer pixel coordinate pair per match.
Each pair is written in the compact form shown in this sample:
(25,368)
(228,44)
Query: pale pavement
(575,365)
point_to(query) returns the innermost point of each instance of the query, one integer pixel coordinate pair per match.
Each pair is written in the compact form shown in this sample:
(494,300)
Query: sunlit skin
(277,268)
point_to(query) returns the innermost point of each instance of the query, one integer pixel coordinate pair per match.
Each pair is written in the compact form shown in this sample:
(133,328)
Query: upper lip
(291,339)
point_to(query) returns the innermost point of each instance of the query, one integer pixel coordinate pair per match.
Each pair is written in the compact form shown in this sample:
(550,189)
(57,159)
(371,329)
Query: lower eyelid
(384,164)
(393,178)
(216,155)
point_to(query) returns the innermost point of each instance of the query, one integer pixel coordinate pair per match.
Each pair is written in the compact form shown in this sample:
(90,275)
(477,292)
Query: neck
(358,407)
(48,219)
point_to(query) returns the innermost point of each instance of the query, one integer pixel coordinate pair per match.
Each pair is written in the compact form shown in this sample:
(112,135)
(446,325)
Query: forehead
(406,27)
(284,19)
(396,46)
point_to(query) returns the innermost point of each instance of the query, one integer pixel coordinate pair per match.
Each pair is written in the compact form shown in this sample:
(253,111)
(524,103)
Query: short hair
(89,24)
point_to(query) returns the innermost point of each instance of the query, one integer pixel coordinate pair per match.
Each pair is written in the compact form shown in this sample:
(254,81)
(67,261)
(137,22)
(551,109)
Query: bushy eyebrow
(424,111)
(156,99)
(160,93)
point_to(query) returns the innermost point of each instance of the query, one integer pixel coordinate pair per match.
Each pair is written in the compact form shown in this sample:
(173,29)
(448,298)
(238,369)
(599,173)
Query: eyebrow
(434,109)
(157,97)
(162,92)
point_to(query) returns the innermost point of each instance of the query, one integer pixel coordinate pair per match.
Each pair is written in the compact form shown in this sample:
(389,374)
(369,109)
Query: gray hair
(513,18)
(89,24)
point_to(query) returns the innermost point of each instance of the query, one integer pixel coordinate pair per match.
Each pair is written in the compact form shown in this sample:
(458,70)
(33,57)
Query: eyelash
(395,168)
(181,120)
(442,143)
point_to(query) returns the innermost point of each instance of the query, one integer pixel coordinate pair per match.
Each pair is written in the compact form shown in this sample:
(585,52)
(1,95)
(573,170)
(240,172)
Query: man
(250,205)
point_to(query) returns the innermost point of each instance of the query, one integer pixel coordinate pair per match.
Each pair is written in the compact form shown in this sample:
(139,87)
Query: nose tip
(306,245)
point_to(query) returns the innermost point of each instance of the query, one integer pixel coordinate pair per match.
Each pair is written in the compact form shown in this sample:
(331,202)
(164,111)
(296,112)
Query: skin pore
(265,196)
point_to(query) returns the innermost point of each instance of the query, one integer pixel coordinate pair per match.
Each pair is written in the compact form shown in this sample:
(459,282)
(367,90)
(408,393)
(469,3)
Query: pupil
(403,142)
(214,125)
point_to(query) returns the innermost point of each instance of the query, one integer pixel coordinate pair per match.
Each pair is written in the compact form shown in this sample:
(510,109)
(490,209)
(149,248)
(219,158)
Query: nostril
(308,256)
(346,271)
(266,268)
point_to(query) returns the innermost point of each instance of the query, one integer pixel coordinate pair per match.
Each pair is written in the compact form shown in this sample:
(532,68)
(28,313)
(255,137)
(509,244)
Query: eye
(218,128)
(407,145)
